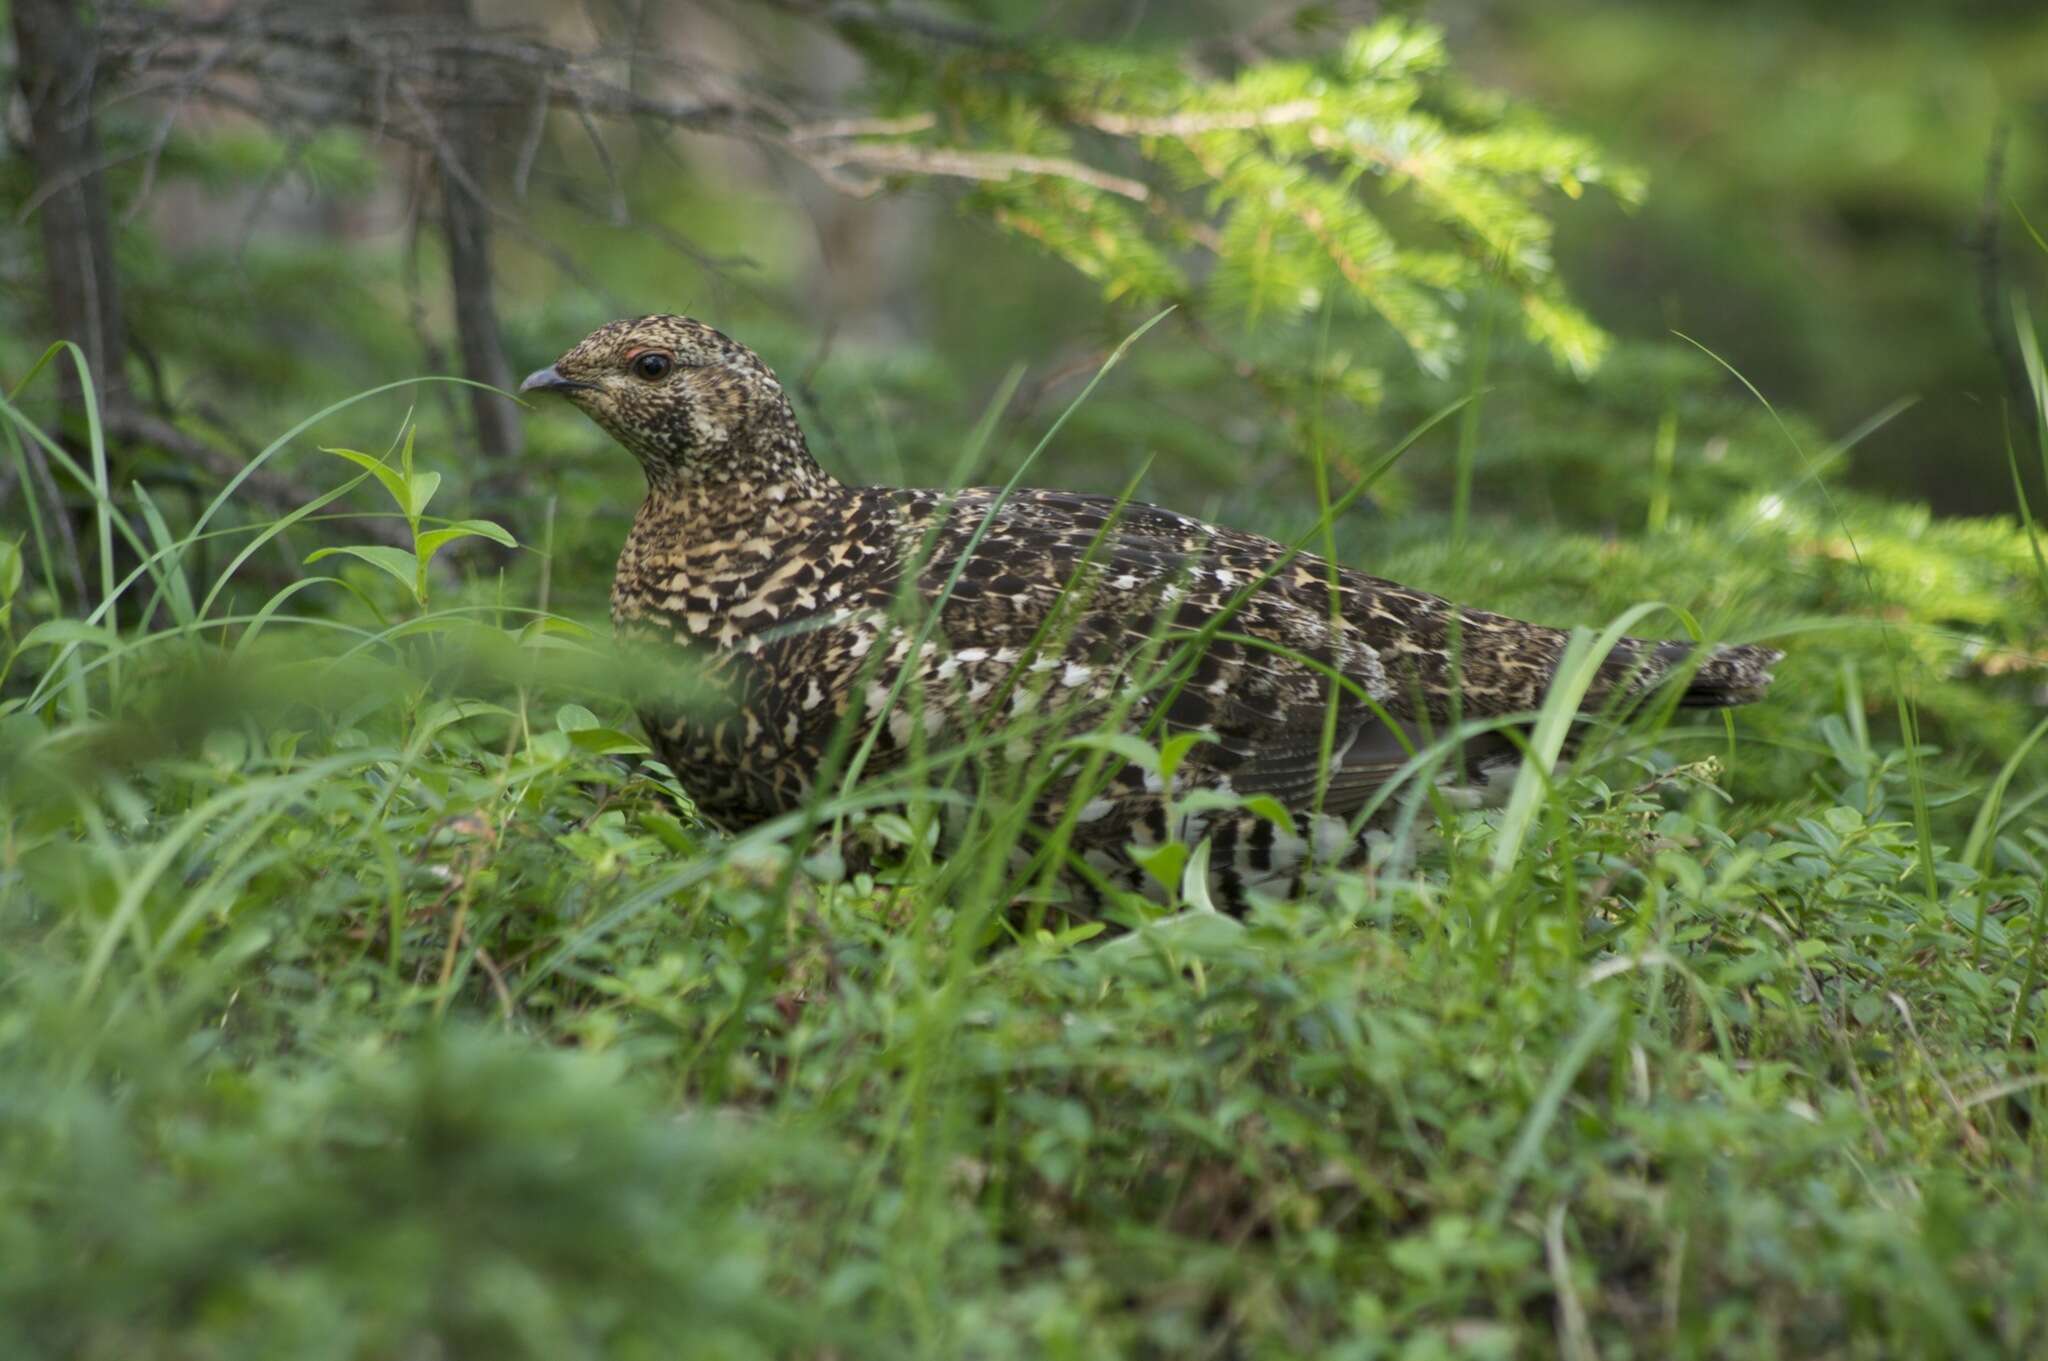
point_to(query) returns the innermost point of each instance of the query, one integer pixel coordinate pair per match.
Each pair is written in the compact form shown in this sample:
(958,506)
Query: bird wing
(1223,633)
(1252,644)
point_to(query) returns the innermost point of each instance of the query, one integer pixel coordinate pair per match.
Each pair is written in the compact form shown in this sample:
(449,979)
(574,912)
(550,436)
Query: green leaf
(487,529)
(550,748)
(1968,913)
(60,631)
(607,742)
(539,629)
(397,561)
(589,734)
(451,711)
(1175,749)
(1843,820)
(1074,935)
(394,481)
(1272,810)
(1265,806)
(420,490)
(11,564)
(1194,880)
(1132,749)
(434,540)
(575,718)
(1163,863)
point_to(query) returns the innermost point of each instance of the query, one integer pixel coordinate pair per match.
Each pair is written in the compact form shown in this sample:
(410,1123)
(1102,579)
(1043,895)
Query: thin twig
(989,166)
(1192,124)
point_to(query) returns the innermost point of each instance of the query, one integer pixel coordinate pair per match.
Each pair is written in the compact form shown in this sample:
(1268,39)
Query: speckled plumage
(789,588)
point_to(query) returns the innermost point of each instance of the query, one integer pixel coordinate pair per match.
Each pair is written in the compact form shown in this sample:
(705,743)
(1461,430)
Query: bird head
(692,404)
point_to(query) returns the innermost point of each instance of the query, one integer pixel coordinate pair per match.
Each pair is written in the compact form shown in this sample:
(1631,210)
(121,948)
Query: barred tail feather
(1729,676)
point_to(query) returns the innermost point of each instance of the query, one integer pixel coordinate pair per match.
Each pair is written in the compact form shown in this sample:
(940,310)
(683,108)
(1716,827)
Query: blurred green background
(1819,176)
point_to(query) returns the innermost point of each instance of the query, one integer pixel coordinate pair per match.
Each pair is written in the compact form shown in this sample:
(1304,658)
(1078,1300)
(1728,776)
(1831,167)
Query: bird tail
(1728,676)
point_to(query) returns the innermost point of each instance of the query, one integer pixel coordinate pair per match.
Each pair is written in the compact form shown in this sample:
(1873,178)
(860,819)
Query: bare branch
(158,140)
(310,72)
(895,19)
(604,158)
(1192,124)
(900,158)
(529,149)
(831,129)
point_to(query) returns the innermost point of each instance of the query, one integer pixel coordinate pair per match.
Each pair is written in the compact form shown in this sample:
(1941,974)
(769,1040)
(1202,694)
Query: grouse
(904,620)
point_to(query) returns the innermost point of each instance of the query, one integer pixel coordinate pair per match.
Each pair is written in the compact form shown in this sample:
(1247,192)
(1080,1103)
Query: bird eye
(652,365)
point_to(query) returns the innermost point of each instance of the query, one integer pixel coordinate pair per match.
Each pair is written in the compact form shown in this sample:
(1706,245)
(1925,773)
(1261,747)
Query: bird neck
(749,476)
(760,484)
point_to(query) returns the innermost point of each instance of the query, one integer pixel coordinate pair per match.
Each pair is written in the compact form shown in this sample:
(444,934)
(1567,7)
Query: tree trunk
(55,60)
(465,171)
(466,225)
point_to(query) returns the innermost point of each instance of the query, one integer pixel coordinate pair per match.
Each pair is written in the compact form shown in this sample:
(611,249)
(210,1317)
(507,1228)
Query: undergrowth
(364,997)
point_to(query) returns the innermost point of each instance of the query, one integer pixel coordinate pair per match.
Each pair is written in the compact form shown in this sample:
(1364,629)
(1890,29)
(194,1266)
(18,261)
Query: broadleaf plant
(412,492)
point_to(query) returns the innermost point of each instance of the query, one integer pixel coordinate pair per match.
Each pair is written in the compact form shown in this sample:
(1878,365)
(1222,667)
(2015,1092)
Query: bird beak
(550,379)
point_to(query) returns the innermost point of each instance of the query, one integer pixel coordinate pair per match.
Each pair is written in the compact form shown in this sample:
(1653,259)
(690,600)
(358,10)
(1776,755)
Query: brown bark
(466,227)
(56,63)
(464,169)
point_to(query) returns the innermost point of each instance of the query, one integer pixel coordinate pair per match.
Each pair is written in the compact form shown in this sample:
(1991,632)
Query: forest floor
(361,1001)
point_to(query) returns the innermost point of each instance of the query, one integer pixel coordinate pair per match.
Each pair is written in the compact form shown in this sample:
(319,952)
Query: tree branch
(993,166)
(1193,124)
